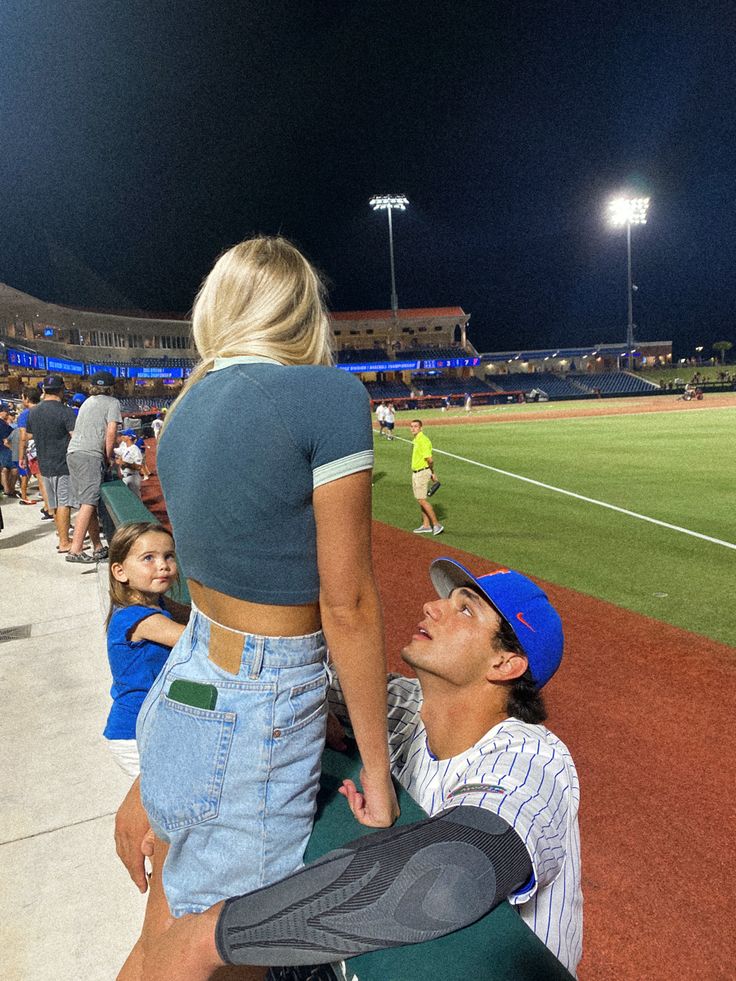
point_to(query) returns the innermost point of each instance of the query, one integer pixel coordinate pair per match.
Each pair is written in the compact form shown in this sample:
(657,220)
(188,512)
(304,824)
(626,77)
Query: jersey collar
(221,363)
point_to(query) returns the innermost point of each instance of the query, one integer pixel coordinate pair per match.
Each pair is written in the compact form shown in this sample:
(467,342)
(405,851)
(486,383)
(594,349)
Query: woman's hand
(376,806)
(133,836)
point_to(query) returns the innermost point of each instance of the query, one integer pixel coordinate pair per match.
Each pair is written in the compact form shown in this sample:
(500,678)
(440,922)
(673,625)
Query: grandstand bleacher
(351,355)
(556,386)
(615,383)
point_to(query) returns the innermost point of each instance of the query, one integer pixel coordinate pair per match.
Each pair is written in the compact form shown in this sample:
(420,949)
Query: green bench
(498,947)
(121,506)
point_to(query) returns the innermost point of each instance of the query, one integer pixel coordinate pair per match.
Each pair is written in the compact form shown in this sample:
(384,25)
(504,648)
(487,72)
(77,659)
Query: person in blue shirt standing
(140,632)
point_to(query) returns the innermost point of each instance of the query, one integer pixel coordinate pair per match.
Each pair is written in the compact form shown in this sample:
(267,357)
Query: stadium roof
(418,313)
(611,350)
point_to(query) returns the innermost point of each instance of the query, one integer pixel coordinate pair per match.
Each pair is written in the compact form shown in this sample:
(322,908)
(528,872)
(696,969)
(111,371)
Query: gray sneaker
(421,530)
(438,529)
(100,553)
(84,558)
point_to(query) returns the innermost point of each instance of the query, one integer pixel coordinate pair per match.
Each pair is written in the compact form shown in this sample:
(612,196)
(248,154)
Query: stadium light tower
(629,211)
(389,203)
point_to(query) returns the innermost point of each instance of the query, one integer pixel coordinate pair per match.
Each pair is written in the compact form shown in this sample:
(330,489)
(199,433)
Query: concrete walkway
(68,910)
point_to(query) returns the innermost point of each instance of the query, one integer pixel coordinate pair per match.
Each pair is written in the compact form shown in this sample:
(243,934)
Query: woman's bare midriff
(255,618)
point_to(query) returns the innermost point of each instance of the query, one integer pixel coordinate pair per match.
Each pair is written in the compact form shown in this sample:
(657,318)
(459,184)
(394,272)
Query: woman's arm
(353,628)
(159,629)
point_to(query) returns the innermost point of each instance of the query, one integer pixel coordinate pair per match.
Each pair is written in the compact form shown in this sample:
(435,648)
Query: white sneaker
(438,529)
(421,530)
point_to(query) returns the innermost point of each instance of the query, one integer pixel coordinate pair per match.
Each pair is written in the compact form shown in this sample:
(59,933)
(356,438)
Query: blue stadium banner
(114,371)
(381,366)
(24,359)
(64,367)
(136,371)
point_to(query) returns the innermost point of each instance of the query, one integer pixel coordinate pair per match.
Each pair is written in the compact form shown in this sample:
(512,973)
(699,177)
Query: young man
(422,475)
(467,743)
(90,451)
(51,424)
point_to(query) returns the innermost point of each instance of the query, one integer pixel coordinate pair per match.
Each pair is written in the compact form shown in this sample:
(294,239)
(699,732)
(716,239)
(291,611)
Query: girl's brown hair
(121,543)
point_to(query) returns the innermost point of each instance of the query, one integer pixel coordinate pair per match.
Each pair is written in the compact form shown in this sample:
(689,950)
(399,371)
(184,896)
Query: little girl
(140,632)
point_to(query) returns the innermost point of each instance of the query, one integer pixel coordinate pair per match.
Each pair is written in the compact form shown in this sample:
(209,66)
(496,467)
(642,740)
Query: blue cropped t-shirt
(238,462)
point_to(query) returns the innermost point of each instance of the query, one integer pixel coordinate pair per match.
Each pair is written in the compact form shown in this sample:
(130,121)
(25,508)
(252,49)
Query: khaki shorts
(420,483)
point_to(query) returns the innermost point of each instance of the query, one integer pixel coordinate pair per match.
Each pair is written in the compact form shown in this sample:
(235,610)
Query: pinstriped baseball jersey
(521,772)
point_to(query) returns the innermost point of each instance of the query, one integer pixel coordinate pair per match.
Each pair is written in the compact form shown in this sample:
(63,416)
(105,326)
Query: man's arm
(395,887)
(111,431)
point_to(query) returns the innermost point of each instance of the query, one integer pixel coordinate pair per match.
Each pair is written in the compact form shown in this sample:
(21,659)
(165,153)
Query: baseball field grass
(677,468)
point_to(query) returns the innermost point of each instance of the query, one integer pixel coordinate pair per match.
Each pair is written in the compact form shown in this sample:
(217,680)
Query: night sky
(140,138)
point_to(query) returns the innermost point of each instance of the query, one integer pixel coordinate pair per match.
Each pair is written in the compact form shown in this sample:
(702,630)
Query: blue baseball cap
(520,603)
(78,398)
(128,432)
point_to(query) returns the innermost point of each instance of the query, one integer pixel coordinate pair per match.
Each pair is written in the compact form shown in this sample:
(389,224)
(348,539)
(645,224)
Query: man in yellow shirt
(422,476)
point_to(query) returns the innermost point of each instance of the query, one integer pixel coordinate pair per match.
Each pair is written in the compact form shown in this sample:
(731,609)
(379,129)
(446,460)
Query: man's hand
(133,836)
(376,806)
(335,738)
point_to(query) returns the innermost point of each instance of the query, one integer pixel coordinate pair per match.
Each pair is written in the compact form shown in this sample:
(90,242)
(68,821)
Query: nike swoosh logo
(520,618)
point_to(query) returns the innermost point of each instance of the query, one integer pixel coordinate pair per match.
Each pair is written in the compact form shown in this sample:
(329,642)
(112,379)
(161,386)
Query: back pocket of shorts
(183,760)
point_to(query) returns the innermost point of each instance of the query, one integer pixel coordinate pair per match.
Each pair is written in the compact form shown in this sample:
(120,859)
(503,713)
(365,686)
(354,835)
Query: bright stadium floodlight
(389,203)
(628,211)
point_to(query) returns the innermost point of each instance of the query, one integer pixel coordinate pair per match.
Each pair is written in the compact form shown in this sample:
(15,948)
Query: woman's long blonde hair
(261,298)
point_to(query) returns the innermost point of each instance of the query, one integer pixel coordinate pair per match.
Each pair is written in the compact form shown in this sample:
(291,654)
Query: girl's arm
(353,628)
(159,629)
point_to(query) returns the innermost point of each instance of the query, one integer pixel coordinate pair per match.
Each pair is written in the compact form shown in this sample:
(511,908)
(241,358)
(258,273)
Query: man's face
(415,428)
(455,638)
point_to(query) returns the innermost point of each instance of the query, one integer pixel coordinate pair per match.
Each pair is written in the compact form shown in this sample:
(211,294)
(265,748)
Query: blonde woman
(277,557)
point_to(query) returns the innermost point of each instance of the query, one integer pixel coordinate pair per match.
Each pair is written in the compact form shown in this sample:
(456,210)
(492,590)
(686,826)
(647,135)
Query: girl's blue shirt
(134,665)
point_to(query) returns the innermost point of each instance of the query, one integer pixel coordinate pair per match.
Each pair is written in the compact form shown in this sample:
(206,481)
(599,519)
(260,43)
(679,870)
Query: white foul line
(581,497)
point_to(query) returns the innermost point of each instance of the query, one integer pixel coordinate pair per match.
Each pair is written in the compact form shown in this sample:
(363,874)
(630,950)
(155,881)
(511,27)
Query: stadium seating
(356,355)
(432,352)
(615,383)
(556,386)
(379,390)
(452,386)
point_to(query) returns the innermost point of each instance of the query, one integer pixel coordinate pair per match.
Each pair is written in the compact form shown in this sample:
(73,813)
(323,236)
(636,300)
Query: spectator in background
(14,440)
(31,397)
(6,454)
(51,424)
(90,452)
(130,461)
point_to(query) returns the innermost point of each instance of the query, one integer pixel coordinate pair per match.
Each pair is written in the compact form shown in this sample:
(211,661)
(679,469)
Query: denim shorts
(233,789)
